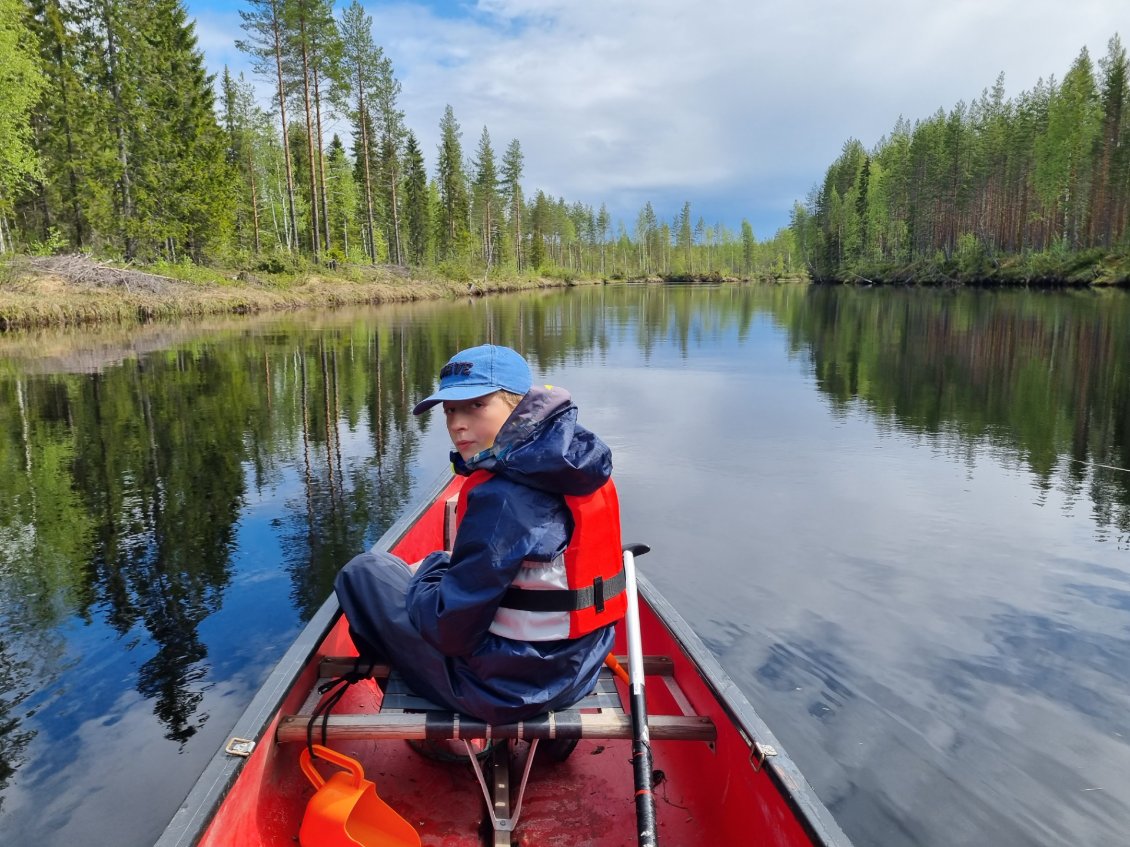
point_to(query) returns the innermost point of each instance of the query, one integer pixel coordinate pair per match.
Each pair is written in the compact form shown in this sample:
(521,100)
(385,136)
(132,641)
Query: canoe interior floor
(586,800)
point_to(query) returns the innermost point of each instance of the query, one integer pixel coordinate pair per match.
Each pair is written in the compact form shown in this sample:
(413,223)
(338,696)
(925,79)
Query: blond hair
(510,398)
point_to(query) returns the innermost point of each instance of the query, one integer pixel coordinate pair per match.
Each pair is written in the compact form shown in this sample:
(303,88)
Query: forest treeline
(1030,189)
(115,140)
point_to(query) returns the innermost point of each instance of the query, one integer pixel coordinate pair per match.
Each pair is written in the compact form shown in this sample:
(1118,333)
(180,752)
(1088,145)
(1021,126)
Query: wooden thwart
(406,715)
(440,725)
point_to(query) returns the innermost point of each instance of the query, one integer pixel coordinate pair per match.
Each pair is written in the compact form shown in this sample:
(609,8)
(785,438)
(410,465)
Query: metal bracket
(758,753)
(239,747)
(503,824)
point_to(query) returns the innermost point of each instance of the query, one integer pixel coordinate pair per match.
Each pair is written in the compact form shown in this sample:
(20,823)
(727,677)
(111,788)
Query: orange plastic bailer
(345,810)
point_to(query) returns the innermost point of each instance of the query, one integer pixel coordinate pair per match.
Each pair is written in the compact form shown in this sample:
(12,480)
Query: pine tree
(301,22)
(1112,159)
(365,169)
(684,238)
(266,31)
(361,59)
(325,61)
(538,229)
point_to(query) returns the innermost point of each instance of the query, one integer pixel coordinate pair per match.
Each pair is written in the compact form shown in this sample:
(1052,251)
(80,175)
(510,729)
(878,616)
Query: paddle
(641,741)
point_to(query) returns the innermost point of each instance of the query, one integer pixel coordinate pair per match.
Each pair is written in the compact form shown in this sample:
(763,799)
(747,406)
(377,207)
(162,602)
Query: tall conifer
(486,198)
(265,26)
(454,207)
(416,201)
(512,163)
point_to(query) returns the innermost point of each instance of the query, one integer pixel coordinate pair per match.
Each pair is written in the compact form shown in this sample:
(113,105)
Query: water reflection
(179,500)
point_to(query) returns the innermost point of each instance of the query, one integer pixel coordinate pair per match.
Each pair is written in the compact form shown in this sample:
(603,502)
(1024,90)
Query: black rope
(332,692)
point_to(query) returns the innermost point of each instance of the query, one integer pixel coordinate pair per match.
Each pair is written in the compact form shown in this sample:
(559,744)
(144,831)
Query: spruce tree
(454,207)
(485,198)
(749,243)
(182,183)
(417,210)
(343,195)
(603,224)
(512,162)
(390,128)
(58,199)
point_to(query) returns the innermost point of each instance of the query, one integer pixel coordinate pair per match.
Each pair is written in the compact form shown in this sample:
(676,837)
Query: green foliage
(21,81)
(453,233)
(185,269)
(138,166)
(1045,173)
(455,270)
(55,243)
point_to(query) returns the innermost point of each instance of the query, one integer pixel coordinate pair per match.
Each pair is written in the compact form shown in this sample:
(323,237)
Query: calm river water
(901,519)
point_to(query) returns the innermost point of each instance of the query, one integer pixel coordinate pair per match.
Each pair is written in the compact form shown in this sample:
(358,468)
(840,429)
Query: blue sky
(737,106)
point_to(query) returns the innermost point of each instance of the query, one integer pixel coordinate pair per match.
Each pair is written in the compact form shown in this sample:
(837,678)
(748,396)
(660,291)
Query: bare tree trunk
(518,228)
(322,163)
(124,182)
(363,120)
(292,225)
(394,180)
(314,224)
(254,198)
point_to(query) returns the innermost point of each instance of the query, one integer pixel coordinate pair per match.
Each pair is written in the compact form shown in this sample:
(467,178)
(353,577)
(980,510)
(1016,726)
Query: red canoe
(719,777)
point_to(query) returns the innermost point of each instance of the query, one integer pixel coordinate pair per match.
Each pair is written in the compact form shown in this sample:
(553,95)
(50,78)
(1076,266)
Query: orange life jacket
(578,592)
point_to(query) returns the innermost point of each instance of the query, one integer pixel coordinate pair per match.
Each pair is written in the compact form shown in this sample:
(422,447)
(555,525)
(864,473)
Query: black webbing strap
(332,692)
(565,599)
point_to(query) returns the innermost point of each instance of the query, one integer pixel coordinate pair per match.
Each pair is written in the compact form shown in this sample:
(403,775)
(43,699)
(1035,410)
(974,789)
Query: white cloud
(736,106)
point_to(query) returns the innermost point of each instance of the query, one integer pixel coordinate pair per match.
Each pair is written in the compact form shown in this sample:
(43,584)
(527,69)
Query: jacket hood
(542,445)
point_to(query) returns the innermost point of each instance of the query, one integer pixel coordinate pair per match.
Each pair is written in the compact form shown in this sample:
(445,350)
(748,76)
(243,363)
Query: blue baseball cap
(478,371)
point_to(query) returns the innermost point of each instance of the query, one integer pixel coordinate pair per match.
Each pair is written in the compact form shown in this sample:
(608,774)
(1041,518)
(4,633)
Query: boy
(517,619)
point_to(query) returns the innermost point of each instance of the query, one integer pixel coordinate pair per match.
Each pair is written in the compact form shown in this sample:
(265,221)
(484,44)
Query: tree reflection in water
(143,487)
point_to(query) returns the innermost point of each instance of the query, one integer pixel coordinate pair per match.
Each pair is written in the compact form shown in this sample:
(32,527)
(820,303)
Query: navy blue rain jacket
(443,644)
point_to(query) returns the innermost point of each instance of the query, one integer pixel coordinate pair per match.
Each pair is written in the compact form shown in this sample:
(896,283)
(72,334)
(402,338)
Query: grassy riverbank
(973,266)
(76,290)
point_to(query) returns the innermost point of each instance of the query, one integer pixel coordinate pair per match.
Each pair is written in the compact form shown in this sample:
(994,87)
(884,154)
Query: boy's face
(474,424)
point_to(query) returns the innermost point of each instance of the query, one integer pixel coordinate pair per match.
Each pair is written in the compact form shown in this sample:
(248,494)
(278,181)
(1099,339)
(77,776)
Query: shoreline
(74,291)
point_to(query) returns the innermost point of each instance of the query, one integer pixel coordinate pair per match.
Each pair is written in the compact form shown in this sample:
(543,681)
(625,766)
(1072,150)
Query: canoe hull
(738,789)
